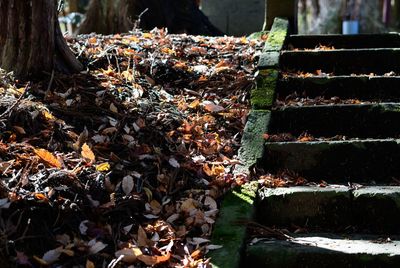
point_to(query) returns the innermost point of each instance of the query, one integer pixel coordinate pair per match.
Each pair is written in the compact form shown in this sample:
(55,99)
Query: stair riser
(354,121)
(346,87)
(369,210)
(347,161)
(342,62)
(344,41)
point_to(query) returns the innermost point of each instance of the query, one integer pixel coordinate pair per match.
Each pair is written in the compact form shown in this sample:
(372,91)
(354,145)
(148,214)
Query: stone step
(351,120)
(372,209)
(390,40)
(324,250)
(378,61)
(372,160)
(361,87)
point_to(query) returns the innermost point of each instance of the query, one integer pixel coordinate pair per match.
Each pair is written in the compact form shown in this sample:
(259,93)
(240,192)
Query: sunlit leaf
(130,255)
(87,153)
(153,260)
(103,167)
(48,158)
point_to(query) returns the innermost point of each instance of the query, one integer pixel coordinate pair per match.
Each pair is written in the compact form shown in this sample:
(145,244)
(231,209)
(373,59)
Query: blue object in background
(350,27)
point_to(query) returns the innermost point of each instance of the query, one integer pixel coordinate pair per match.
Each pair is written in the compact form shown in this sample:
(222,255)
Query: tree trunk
(116,16)
(31,40)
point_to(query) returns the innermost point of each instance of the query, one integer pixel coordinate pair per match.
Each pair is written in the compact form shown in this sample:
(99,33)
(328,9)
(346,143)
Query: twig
(51,82)
(137,22)
(6,113)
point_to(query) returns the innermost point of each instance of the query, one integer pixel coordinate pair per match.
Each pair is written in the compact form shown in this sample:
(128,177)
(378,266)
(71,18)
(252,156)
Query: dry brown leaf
(212,107)
(153,260)
(155,206)
(188,205)
(130,254)
(48,158)
(142,237)
(89,264)
(87,153)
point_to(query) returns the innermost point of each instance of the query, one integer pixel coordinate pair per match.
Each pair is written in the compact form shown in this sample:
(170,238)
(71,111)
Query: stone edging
(237,206)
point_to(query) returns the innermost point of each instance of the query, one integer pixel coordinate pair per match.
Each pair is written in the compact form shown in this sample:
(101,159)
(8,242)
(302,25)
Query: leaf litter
(124,163)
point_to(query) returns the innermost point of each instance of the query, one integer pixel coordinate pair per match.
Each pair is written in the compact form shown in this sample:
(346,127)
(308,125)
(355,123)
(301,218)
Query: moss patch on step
(277,35)
(230,231)
(262,97)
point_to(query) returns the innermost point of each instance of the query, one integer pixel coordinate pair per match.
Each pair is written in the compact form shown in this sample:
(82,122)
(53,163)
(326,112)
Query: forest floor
(126,162)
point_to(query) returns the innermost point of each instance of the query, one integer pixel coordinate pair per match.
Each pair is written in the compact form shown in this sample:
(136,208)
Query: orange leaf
(194,104)
(93,40)
(48,158)
(87,153)
(153,260)
(40,197)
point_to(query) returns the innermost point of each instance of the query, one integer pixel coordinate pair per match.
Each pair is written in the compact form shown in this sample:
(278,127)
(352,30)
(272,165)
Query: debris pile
(123,163)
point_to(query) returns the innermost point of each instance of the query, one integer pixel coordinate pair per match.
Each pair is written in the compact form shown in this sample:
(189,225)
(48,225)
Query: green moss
(277,35)
(263,96)
(257,35)
(236,206)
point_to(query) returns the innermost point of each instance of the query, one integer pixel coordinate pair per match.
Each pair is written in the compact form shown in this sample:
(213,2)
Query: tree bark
(31,40)
(116,16)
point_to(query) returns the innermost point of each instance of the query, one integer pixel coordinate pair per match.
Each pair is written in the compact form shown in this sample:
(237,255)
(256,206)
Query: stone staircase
(342,95)
(332,116)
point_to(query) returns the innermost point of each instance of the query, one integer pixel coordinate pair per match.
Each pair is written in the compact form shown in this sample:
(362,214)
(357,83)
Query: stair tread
(348,244)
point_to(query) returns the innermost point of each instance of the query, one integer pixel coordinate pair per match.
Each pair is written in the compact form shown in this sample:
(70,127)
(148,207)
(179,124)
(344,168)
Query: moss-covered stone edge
(230,228)
(263,96)
(257,35)
(277,35)
(238,205)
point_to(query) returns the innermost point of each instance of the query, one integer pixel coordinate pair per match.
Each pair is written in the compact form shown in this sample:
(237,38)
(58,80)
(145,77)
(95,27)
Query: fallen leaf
(103,167)
(48,158)
(113,108)
(213,247)
(142,237)
(212,107)
(130,255)
(96,246)
(188,205)
(52,256)
(87,153)
(173,162)
(210,202)
(127,184)
(89,264)
(153,260)
(199,240)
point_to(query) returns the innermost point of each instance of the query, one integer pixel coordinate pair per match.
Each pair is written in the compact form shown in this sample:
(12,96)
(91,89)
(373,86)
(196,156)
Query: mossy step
(351,120)
(324,250)
(343,62)
(228,231)
(370,160)
(337,41)
(361,87)
(374,209)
